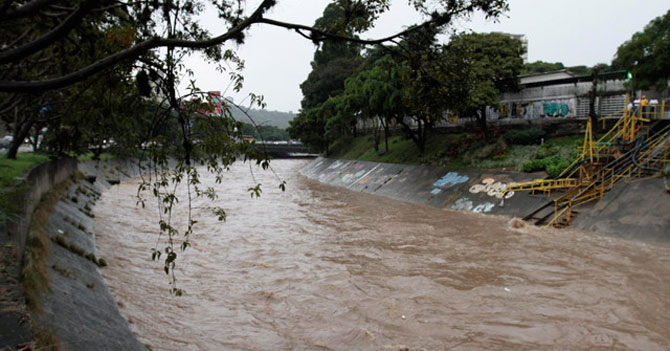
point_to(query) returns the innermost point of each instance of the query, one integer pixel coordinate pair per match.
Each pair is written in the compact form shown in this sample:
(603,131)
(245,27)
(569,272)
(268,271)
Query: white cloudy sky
(575,32)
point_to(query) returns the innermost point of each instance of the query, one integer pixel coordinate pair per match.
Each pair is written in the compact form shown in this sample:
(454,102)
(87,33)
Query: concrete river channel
(325,268)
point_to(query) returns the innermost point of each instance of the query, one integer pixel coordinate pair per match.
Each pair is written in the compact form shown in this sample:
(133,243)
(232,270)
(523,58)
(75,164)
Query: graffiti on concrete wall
(450,179)
(364,176)
(555,109)
(466,204)
(349,178)
(533,109)
(491,187)
(483,208)
(337,164)
(447,181)
(462,204)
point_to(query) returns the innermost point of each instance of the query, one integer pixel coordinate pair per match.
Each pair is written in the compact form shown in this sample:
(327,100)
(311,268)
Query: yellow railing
(558,215)
(544,185)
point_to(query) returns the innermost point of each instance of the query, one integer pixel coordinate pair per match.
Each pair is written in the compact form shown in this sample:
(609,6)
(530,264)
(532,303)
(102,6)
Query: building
(214,98)
(562,94)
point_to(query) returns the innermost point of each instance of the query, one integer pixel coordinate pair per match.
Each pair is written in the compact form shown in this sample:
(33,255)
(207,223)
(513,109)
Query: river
(323,268)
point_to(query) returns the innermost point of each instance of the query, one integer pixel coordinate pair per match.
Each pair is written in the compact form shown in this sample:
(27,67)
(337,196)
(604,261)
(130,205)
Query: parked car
(6,141)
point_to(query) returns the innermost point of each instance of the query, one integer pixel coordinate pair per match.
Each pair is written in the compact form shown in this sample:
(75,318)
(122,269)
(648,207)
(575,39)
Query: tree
(333,63)
(647,55)
(495,64)
(541,67)
(50,45)
(374,94)
(90,40)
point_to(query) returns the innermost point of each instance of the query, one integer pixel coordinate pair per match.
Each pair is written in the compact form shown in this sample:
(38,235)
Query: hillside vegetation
(264,117)
(525,150)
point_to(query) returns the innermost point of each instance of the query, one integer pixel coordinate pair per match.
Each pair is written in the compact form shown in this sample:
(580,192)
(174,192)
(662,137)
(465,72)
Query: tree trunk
(385,124)
(422,127)
(21,131)
(13,150)
(482,124)
(410,133)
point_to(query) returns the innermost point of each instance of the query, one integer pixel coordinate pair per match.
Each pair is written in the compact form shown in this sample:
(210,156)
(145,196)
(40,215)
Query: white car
(6,141)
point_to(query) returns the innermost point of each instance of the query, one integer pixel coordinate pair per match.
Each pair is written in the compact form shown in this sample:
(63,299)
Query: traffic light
(629,76)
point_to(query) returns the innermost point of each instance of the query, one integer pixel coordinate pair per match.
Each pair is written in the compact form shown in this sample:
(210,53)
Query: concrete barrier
(78,308)
(26,194)
(460,190)
(635,211)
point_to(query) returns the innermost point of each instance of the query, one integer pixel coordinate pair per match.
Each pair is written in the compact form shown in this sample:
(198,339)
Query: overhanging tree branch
(129,53)
(233,33)
(48,39)
(24,10)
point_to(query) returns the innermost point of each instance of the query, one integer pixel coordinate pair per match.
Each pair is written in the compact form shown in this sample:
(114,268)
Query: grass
(46,340)
(11,169)
(77,250)
(35,274)
(105,156)
(461,151)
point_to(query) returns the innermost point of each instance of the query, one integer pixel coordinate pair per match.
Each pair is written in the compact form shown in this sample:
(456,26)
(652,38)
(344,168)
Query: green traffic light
(629,76)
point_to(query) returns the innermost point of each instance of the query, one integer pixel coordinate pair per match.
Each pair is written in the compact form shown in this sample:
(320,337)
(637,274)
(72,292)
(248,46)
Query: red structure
(214,98)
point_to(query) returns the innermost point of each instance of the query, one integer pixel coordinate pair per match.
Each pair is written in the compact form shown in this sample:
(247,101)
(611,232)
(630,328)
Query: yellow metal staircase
(631,150)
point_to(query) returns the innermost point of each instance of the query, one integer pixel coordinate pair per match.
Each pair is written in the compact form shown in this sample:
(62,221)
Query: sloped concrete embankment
(78,308)
(468,190)
(639,210)
(19,202)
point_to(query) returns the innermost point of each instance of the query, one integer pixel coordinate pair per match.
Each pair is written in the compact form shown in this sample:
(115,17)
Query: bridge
(284,149)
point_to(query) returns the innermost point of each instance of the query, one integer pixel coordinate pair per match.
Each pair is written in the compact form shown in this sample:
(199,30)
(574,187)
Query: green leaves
(220,213)
(255,191)
(647,55)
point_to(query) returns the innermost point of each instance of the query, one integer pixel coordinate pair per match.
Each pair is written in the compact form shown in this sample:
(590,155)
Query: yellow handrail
(557,216)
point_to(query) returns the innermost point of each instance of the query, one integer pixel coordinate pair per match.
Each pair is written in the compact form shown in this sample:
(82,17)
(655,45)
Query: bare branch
(257,17)
(9,103)
(25,10)
(48,39)
(23,35)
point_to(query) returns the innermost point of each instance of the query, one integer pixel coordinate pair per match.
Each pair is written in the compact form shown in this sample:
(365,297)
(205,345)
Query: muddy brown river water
(323,268)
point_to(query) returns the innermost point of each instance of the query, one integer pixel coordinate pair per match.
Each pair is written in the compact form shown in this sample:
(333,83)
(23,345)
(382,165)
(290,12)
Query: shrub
(533,166)
(530,136)
(556,166)
(552,165)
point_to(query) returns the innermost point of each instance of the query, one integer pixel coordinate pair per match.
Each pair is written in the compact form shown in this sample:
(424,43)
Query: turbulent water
(322,268)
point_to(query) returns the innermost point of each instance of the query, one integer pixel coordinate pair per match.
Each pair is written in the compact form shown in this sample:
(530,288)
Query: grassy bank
(527,150)
(11,169)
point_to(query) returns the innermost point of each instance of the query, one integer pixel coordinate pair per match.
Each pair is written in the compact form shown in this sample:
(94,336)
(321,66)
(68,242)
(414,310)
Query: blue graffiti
(436,191)
(450,179)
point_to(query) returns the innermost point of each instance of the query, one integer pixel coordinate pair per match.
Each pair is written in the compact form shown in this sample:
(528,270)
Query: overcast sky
(574,32)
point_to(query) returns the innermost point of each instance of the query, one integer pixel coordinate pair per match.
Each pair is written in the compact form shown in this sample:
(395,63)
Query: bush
(552,165)
(557,166)
(533,166)
(477,154)
(530,136)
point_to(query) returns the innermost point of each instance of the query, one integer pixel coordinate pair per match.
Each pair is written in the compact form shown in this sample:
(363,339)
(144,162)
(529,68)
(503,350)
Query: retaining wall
(27,194)
(78,308)
(639,210)
(463,190)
